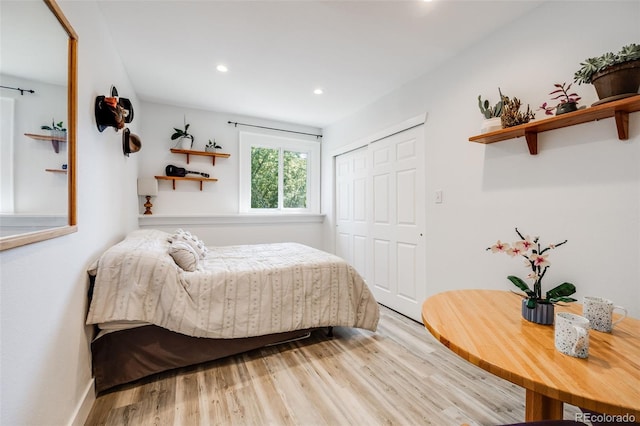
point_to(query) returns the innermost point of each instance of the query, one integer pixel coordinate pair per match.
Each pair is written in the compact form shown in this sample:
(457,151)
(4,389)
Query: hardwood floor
(399,375)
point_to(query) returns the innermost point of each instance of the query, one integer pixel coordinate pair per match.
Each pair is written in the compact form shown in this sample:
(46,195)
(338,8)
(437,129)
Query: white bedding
(237,291)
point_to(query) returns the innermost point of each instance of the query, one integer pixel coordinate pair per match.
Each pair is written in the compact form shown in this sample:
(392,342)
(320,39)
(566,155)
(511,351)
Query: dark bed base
(125,356)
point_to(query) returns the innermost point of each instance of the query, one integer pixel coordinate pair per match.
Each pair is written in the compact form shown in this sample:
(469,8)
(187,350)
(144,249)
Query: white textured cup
(571,334)
(599,312)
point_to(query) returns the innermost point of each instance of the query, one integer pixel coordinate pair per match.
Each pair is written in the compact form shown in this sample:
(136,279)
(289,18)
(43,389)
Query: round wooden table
(486,328)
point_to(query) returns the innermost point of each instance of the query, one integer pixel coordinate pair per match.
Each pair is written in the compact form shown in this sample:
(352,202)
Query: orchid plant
(537,259)
(562,96)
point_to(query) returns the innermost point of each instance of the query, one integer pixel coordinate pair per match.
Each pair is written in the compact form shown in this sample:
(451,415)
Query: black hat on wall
(112,111)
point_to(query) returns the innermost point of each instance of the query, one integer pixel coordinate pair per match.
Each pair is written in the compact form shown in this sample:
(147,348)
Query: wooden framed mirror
(39,49)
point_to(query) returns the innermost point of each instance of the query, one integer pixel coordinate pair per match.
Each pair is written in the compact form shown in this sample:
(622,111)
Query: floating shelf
(55,140)
(194,179)
(618,109)
(189,152)
(56,171)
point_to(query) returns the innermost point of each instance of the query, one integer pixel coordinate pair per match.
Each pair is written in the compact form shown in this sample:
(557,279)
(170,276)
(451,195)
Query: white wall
(582,186)
(209,213)
(45,358)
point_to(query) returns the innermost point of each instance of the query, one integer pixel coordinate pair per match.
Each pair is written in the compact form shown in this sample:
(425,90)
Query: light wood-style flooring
(399,375)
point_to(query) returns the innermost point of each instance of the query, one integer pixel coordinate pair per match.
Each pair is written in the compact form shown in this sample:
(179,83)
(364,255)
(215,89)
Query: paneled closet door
(352,212)
(398,214)
(380,213)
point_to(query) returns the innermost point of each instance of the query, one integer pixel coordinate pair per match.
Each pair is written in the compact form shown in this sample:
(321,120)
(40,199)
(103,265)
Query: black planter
(617,81)
(566,107)
(543,313)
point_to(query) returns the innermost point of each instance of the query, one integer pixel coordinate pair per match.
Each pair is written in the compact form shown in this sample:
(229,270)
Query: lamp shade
(147,186)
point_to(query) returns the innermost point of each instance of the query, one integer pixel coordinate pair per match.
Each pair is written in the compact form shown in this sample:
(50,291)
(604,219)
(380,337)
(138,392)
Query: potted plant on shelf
(57,129)
(212,146)
(491,115)
(511,114)
(535,308)
(568,102)
(185,139)
(615,76)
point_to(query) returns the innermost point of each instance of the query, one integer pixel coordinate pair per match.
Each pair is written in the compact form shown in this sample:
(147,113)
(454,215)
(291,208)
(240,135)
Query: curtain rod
(236,124)
(19,89)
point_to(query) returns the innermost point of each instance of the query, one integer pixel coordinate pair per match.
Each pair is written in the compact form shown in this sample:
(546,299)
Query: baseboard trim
(81,413)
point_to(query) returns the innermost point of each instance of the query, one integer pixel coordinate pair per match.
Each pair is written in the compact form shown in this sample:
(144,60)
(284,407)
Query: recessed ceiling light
(222,68)
(318,91)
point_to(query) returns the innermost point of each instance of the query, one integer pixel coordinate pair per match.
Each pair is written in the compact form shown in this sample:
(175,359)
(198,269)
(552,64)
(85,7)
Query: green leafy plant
(212,144)
(537,259)
(180,133)
(54,126)
(487,110)
(594,65)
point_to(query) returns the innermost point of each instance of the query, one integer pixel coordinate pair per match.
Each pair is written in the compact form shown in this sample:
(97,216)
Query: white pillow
(196,243)
(184,255)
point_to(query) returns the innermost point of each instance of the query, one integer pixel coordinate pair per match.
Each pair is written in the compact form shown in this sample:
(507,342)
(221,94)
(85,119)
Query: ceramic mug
(572,334)
(599,312)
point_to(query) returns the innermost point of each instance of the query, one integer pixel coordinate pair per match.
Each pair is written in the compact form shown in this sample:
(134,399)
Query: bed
(160,301)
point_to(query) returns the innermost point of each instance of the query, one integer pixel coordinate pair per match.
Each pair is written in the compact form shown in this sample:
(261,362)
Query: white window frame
(247,140)
(6,155)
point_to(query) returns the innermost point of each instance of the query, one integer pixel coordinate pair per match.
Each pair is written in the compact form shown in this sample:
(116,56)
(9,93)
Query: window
(278,174)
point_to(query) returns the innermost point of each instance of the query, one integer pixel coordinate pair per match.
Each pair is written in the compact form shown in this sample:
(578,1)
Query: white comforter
(238,291)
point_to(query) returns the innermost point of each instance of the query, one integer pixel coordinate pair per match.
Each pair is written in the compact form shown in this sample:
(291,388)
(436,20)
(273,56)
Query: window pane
(264,178)
(295,180)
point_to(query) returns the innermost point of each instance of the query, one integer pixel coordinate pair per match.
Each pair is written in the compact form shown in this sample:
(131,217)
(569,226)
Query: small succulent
(596,64)
(562,96)
(511,114)
(213,144)
(489,111)
(54,126)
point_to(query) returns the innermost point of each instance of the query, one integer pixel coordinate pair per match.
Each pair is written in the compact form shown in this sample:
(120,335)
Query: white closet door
(398,248)
(352,212)
(380,213)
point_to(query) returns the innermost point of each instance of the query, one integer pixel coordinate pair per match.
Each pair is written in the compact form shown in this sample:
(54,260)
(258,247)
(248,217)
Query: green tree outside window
(273,168)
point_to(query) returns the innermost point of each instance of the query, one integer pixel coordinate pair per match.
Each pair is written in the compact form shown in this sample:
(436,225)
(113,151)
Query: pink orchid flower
(500,247)
(539,261)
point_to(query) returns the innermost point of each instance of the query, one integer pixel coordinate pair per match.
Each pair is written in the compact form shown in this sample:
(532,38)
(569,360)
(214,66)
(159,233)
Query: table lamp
(148,187)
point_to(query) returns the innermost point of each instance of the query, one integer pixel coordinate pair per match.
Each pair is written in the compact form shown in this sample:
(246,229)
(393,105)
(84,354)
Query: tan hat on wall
(130,142)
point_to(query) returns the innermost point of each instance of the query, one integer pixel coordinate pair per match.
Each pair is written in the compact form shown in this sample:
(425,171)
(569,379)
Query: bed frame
(128,355)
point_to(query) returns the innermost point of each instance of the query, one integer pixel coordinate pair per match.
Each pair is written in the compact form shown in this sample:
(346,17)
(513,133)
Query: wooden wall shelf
(56,171)
(189,152)
(618,109)
(55,140)
(194,179)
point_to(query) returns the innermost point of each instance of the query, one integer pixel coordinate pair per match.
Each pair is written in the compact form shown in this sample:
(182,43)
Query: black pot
(617,81)
(543,313)
(566,107)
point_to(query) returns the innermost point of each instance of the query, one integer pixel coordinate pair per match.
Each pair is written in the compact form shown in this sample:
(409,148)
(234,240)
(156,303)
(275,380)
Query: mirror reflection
(33,111)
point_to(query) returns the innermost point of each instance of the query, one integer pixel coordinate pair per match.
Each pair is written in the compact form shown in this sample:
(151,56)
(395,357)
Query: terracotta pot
(543,313)
(617,81)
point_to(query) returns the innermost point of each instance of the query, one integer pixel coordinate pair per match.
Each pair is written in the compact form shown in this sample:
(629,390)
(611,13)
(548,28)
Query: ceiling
(278,52)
